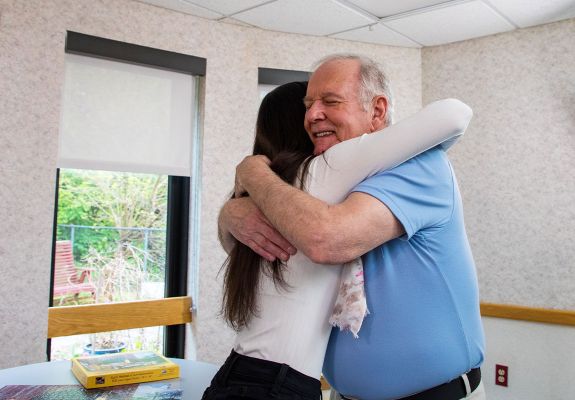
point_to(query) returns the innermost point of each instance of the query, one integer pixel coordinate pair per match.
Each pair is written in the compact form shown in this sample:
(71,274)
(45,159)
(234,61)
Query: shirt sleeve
(419,192)
(333,175)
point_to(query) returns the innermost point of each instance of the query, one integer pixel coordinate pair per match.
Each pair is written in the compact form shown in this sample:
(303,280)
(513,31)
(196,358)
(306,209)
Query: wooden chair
(69,280)
(94,318)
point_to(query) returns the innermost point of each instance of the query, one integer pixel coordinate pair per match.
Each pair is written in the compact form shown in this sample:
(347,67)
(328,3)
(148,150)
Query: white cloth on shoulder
(351,304)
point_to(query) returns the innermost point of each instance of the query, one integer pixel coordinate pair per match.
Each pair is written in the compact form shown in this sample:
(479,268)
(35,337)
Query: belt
(454,390)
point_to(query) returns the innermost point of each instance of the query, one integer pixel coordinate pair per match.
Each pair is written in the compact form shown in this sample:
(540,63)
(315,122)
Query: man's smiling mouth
(324,133)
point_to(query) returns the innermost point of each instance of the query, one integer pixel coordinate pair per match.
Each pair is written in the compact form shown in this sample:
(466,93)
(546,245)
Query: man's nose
(315,111)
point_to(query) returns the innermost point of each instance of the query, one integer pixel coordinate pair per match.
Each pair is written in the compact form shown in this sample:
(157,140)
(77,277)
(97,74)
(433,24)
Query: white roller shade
(123,117)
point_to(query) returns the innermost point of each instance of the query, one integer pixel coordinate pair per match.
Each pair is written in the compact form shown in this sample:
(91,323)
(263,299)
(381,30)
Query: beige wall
(32,37)
(515,165)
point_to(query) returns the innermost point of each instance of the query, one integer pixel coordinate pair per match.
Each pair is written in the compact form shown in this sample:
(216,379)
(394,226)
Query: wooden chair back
(93,318)
(68,280)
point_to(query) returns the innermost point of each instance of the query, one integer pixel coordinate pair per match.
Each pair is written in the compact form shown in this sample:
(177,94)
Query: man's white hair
(372,81)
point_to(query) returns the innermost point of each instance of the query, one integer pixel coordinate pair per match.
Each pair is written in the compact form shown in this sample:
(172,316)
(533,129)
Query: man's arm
(240,218)
(328,234)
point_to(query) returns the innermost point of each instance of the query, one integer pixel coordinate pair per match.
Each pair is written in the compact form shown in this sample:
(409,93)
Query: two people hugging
(342,219)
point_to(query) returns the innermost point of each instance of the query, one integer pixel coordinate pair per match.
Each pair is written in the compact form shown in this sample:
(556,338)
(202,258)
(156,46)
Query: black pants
(243,377)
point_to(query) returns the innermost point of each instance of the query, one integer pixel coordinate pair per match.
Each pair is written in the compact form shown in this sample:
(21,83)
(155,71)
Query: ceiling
(407,23)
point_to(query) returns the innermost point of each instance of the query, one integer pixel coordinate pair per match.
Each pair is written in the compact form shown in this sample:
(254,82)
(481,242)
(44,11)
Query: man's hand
(247,224)
(248,167)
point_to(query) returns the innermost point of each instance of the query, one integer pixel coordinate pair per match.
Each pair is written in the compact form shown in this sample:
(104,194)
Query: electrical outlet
(501,375)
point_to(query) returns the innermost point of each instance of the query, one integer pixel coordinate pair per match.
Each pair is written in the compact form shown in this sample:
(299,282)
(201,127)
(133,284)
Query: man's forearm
(240,220)
(327,234)
(298,216)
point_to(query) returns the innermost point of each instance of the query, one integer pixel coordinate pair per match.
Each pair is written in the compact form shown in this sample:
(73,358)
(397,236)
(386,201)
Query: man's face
(334,112)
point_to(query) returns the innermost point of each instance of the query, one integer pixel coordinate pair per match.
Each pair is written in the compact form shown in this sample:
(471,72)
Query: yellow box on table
(123,368)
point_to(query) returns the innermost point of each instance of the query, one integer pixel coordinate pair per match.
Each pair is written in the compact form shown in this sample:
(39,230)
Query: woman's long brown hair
(280,135)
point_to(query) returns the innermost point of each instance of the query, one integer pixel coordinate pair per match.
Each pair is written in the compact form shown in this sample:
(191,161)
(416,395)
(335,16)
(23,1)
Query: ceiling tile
(228,7)
(184,7)
(318,17)
(377,33)
(383,9)
(410,23)
(449,24)
(529,13)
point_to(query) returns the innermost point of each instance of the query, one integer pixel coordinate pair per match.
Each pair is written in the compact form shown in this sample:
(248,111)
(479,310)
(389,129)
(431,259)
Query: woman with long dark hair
(281,310)
(284,141)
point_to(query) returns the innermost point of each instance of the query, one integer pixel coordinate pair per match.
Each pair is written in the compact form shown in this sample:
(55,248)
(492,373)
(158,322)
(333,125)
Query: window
(127,183)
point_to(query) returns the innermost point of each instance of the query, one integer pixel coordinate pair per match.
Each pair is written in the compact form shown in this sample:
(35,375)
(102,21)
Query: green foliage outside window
(119,222)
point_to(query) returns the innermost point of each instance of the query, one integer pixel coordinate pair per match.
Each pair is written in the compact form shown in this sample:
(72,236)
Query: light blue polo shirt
(424,326)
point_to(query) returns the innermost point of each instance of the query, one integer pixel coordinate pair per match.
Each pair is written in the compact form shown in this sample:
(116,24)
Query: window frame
(178,225)
(274,76)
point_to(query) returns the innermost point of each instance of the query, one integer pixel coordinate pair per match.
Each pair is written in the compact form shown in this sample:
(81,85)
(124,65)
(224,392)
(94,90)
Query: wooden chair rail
(92,318)
(545,315)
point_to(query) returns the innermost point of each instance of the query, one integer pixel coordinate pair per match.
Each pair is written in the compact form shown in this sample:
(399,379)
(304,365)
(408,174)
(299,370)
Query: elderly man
(423,338)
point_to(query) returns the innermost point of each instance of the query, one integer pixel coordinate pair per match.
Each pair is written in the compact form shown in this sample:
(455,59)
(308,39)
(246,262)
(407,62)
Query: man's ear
(379,111)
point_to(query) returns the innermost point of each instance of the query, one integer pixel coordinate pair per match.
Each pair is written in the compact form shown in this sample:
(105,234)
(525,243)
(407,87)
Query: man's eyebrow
(322,96)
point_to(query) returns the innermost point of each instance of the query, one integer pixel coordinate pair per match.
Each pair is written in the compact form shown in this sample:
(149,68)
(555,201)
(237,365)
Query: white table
(195,376)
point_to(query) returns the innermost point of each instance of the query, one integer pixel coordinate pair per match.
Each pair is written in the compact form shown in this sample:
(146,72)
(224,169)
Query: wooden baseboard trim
(92,318)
